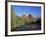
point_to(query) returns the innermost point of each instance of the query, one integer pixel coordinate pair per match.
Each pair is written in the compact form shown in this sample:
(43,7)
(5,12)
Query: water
(27,27)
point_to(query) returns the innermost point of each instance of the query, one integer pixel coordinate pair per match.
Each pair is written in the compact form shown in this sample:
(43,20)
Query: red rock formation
(27,16)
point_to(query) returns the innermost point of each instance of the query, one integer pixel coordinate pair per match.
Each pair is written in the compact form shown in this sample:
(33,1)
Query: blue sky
(19,10)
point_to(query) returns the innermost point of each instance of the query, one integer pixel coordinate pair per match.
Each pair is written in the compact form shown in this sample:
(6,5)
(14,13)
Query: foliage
(16,20)
(39,21)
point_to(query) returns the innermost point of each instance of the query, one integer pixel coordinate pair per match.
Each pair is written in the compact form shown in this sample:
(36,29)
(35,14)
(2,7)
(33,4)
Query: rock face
(27,17)
(30,18)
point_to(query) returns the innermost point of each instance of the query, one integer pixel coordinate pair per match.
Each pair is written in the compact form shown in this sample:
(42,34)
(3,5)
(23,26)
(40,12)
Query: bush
(39,21)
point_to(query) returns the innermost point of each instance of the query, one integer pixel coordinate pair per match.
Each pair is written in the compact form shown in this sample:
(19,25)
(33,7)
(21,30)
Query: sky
(20,10)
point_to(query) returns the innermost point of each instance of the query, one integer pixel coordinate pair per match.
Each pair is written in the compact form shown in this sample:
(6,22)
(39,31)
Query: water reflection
(27,27)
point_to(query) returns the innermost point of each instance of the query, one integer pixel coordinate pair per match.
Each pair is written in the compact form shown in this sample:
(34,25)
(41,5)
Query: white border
(24,32)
